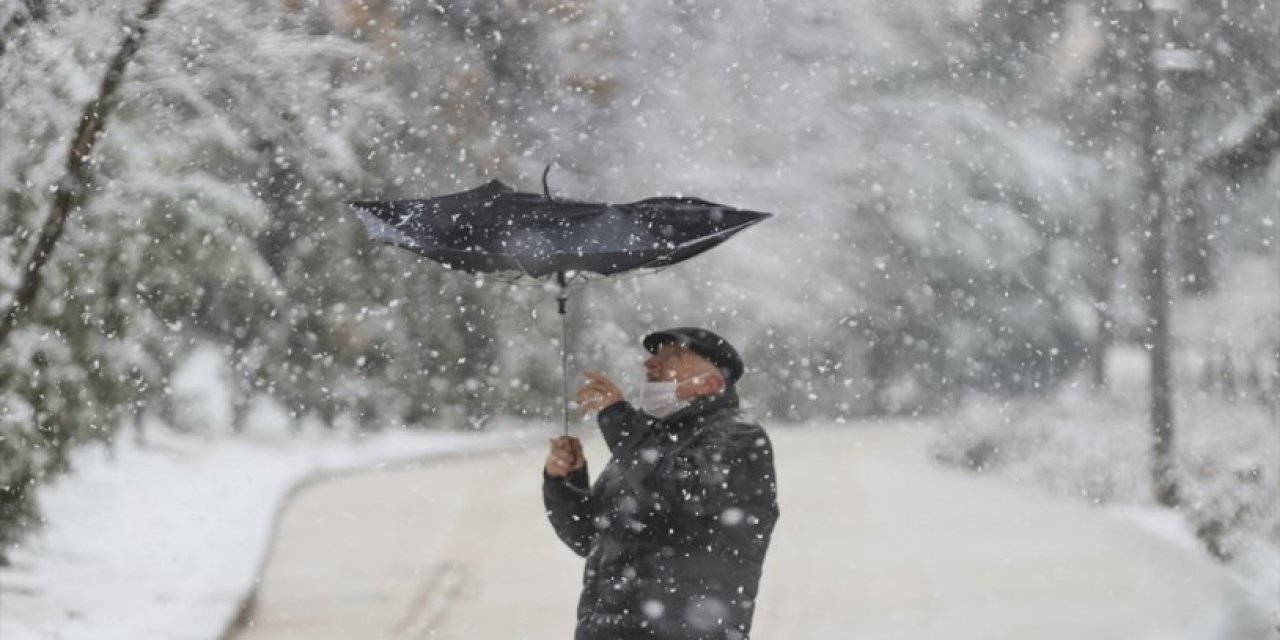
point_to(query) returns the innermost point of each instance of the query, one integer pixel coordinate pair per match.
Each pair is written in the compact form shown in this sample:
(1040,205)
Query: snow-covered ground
(875,541)
(164,541)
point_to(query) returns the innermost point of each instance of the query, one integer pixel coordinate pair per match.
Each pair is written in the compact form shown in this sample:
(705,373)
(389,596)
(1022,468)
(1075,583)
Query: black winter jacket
(676,527)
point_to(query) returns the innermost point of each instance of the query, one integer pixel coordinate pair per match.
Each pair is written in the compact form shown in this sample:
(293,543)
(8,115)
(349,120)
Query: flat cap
(703,342)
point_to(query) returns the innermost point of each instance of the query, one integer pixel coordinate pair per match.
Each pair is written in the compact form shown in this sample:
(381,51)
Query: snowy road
(874,542)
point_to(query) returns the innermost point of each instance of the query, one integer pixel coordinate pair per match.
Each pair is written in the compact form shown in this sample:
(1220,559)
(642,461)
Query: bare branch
(1252,152)
(71,189)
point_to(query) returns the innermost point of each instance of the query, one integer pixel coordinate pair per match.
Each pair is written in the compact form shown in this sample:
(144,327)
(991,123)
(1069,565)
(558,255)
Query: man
(676,527)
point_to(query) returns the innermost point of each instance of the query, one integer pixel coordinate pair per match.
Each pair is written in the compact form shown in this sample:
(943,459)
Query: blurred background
(1051,223)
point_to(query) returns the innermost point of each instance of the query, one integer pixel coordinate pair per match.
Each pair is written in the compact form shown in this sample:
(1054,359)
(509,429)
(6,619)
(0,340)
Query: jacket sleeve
(568,504)
(727,481)
(622,425)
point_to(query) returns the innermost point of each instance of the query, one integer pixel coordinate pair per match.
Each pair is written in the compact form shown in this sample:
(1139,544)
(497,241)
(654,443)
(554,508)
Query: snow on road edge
(164,541)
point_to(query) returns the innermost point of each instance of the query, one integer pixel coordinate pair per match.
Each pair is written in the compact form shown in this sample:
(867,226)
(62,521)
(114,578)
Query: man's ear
(712,384)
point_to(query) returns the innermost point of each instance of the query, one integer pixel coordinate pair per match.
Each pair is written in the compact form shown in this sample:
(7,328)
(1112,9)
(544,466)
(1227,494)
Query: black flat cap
(705,343)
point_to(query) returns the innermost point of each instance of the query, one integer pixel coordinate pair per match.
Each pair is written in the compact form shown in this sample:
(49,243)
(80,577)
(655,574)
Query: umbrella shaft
(564,366)
(563,300)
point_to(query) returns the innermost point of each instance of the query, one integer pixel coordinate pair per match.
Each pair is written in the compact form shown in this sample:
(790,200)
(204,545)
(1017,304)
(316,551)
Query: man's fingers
(562,450)
(566,463)
(590,398)
(565,446)
(597,392)
(602,386)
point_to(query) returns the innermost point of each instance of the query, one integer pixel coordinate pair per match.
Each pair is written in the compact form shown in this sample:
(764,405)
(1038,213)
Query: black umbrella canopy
(494,228)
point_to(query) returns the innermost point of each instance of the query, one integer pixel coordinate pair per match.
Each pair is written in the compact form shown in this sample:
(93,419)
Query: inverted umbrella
(534,237)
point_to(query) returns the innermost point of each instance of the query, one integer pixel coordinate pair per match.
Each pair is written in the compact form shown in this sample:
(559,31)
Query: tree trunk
(1155,287)
(1195,265)
(1275,382)
(473,325)
(71,189)
(1102,288)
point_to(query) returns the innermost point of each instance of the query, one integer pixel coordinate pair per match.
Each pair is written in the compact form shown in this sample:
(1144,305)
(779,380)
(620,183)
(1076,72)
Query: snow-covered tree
(168,242)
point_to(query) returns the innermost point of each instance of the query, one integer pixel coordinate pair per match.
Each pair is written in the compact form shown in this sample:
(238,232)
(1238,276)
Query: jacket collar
(701,408)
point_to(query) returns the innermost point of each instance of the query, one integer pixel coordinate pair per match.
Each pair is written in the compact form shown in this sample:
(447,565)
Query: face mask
(659,400)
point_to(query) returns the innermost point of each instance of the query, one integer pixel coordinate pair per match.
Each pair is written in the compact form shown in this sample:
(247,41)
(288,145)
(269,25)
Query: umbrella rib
(723,232)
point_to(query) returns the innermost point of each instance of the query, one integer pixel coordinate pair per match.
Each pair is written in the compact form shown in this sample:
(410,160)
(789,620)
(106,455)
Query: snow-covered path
(874,542)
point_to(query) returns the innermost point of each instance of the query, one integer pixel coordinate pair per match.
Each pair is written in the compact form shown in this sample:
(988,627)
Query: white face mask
(659,399)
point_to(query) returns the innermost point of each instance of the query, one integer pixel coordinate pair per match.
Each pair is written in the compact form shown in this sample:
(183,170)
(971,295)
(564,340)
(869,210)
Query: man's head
(693,374)
(699,361)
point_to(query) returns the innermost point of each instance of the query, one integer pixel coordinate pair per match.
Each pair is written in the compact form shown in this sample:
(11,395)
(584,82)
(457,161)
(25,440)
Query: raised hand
(597,394)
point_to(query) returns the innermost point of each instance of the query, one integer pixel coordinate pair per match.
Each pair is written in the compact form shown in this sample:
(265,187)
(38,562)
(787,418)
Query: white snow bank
(1164,523)
(165,540)
(1096,447)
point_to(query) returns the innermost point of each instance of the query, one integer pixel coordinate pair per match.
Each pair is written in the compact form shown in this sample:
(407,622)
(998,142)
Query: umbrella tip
(546,190)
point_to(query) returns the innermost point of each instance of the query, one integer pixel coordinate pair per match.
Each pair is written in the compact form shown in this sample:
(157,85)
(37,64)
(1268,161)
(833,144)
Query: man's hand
(597,394)
(566,456)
